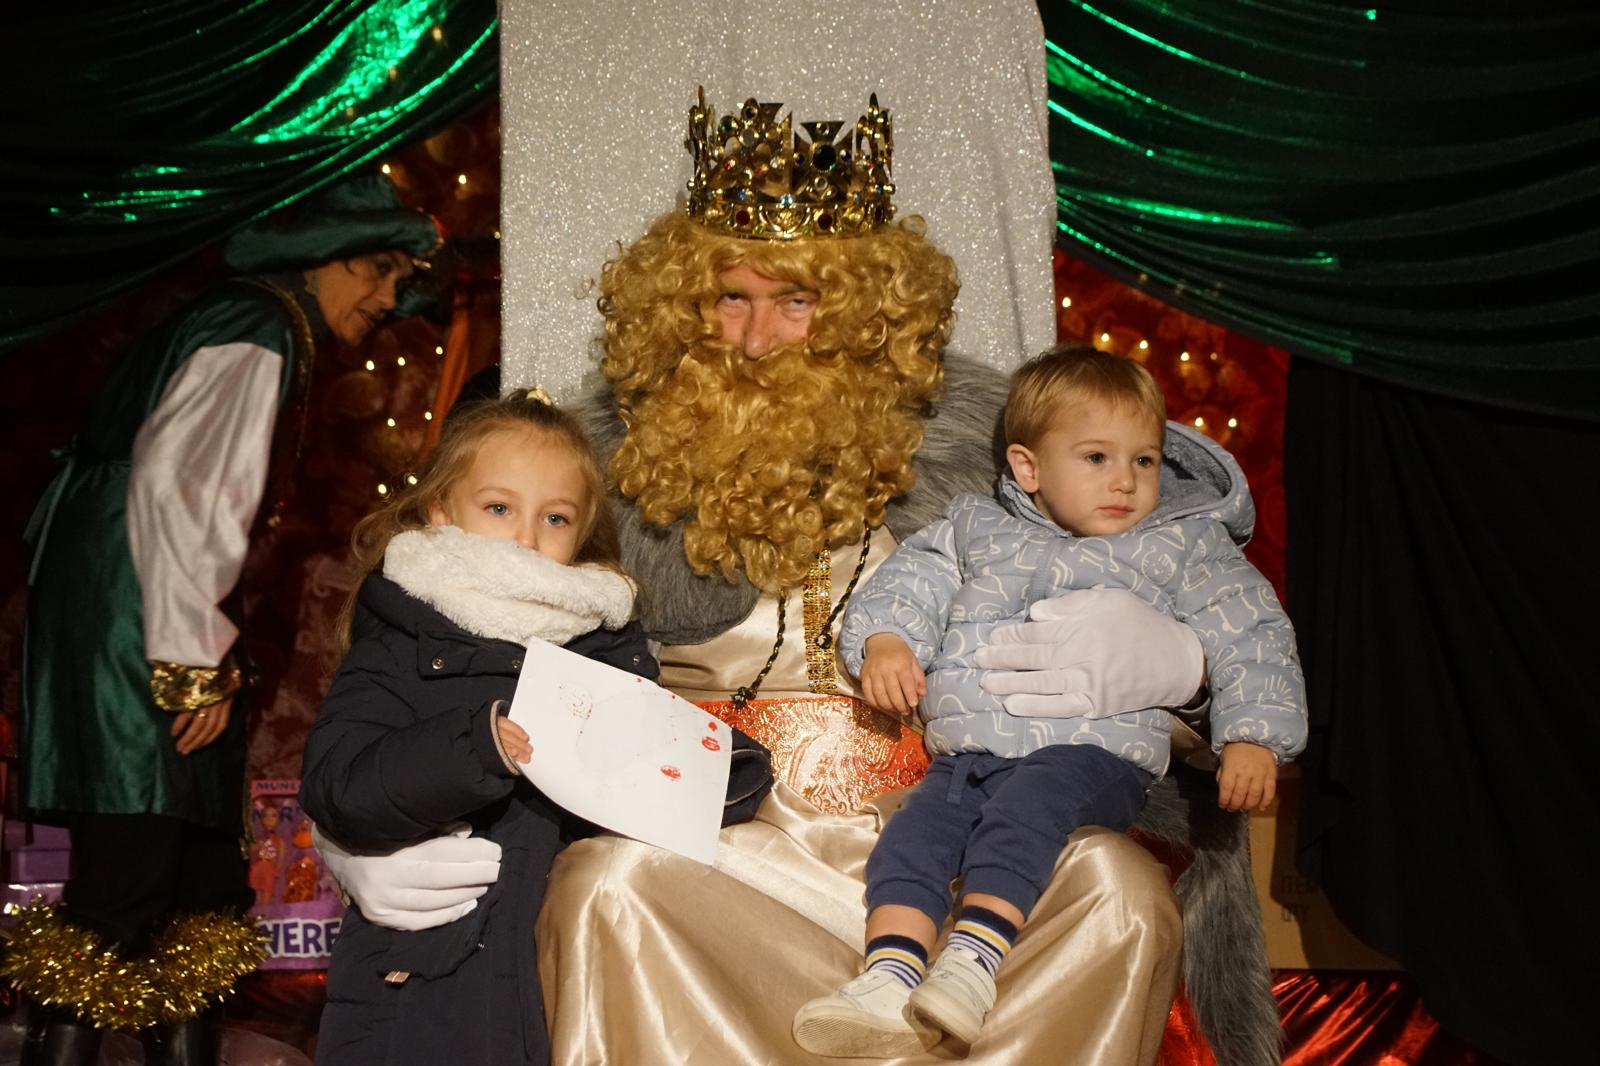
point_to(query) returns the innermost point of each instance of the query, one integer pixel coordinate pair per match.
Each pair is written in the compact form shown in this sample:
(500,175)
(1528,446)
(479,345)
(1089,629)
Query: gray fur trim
(1225,968)
(1225,955)
(675,605)
(961,447)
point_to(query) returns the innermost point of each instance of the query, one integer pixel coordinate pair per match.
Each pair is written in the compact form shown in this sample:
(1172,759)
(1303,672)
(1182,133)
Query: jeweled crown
(754,177)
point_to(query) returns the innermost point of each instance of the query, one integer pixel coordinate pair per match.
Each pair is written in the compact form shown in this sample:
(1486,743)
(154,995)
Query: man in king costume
(780,410)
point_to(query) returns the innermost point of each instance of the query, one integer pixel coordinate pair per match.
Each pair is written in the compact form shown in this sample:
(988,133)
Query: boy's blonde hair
(1074,374)
(464,433)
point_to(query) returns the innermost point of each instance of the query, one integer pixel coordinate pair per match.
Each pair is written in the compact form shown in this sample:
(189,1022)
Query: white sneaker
(865,1019)
(956,995)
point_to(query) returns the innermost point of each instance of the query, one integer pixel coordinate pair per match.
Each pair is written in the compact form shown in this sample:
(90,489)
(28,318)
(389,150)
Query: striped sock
(901,956)
(983,933)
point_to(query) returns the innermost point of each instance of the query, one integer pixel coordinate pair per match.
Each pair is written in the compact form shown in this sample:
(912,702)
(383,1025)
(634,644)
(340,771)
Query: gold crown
(753,179)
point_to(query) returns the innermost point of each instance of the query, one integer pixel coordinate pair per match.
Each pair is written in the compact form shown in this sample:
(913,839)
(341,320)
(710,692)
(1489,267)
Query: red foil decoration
(1363,1019)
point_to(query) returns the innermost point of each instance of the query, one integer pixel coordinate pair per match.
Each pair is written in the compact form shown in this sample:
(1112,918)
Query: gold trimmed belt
(834,750)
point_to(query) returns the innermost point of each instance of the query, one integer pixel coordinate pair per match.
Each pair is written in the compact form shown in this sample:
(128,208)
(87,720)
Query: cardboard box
(297,903)
(17,835)
(38,866)
(1302,932)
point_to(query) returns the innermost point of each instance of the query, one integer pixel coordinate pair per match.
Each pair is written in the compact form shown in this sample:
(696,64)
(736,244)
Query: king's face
(759,313)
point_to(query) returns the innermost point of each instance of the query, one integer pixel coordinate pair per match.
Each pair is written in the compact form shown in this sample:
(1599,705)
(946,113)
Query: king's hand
(1092,654)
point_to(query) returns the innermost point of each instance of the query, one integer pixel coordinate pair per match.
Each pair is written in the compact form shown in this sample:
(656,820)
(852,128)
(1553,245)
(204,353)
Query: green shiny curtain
(136,133)
(1404,190)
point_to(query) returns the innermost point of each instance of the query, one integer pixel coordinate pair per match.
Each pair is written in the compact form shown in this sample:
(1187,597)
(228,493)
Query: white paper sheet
(623,752)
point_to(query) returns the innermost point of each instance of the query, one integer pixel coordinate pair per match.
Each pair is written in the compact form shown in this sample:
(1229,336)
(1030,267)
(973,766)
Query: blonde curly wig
(773,459)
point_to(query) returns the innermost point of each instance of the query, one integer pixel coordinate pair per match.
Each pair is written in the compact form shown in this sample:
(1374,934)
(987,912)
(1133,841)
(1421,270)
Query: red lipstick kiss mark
(710,744)
(671,773)
(711,726)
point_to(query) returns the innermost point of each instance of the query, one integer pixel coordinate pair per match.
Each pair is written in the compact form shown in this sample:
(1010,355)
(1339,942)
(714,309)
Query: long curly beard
(771,459)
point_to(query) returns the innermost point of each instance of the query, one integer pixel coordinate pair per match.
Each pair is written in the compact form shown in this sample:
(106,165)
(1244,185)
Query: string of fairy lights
(371,366)
(439,186)
(384,489)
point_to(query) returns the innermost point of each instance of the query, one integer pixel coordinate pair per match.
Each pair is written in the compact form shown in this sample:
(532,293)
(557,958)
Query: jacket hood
(1199,479)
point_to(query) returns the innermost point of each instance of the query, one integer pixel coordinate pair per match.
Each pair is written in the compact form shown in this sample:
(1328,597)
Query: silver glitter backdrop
(595,98)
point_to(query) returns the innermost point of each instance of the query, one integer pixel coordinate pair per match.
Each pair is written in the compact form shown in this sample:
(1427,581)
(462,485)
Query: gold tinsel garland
(193,962)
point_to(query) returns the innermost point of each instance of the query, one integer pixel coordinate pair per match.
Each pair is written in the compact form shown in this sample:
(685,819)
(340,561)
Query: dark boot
(57,1037)
(196,1042)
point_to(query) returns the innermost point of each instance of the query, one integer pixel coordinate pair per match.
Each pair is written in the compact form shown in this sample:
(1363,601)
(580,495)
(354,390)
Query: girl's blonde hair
(464,433)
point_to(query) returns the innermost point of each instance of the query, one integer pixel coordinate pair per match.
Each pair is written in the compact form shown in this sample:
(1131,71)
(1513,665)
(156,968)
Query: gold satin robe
(650,959)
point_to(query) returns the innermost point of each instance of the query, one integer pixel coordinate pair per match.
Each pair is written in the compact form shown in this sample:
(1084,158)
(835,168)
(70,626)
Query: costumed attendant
(133,727)
(1083,507)
(781,411)
(504,538)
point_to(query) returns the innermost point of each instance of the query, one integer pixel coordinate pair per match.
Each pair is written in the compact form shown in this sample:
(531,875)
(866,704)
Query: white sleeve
(199,469)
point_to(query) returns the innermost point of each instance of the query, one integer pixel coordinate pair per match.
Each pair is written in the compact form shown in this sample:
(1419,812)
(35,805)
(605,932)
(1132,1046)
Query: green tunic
(93,740)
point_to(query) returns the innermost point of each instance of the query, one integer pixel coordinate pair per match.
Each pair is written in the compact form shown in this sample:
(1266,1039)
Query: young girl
(504,537)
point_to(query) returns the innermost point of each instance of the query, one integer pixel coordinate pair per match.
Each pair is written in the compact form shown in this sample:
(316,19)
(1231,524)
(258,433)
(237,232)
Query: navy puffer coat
(403,748)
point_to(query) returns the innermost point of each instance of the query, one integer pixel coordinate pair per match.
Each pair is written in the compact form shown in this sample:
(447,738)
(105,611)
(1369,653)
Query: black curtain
(1444,589)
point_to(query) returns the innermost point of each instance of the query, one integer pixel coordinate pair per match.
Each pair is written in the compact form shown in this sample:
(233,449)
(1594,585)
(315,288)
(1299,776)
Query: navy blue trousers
(999,824)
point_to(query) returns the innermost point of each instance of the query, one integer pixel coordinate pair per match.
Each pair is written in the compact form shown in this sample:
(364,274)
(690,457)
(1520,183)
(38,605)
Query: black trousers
(130,871)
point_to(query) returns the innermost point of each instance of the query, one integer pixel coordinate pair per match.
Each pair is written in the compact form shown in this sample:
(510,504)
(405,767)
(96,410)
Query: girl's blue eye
(557,519)
(499,510)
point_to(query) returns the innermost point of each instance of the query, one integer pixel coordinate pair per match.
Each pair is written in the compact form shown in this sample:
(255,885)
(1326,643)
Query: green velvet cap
(357,216)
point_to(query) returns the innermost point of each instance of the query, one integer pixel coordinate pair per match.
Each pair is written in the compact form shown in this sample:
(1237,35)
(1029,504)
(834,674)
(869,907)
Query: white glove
(1093,654)
(418,886)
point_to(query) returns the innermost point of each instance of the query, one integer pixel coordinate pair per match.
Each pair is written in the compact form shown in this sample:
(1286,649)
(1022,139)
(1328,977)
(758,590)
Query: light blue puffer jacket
(987,560)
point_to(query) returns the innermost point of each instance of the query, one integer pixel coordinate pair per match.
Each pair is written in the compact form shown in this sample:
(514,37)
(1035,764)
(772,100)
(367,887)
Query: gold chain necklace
(824,639)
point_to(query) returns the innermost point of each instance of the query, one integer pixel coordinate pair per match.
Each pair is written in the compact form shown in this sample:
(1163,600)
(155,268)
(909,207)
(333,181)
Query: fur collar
(500,590)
